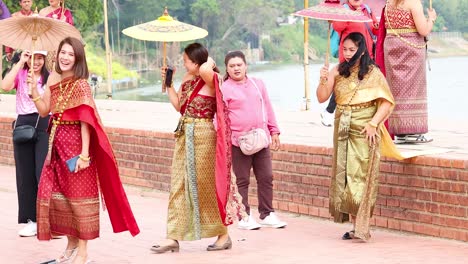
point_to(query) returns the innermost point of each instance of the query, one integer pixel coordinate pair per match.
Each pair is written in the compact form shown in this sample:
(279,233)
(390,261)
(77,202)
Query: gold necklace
(60,98)
(56,122)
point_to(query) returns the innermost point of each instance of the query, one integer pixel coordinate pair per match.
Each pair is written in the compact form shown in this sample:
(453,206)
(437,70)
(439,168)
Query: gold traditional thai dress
(203,197)
(355,168)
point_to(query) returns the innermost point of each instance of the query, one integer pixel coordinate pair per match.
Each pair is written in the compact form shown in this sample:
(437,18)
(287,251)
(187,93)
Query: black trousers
(29,159)
(331,104)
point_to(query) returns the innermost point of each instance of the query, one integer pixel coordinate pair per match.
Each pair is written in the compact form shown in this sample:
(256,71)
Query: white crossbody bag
(256,139)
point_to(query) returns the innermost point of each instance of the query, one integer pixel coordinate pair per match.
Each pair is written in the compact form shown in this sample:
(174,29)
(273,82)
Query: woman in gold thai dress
(203,198)
(364,103)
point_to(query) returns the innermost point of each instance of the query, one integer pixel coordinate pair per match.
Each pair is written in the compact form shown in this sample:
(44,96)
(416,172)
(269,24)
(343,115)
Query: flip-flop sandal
(348,235)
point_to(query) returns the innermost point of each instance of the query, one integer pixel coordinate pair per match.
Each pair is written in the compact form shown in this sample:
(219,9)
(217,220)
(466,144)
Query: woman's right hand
(163,72)
(25,55)
(431,13)
(324,72)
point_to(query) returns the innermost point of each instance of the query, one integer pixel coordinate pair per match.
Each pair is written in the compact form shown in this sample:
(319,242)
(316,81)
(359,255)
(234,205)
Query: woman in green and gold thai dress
(364,102)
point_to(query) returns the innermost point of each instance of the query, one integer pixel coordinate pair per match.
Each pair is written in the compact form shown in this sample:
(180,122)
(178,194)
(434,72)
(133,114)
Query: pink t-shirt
(24,104)
(245,107)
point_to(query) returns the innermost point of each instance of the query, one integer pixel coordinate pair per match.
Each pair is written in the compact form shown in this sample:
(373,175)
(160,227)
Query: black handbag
(25,133)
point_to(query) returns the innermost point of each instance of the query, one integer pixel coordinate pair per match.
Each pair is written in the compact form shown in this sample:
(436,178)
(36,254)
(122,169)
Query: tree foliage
(86,13)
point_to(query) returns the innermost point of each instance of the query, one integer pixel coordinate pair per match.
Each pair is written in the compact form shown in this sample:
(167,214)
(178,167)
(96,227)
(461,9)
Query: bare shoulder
(54,78)
(187,76)
(44,11)
(334,71)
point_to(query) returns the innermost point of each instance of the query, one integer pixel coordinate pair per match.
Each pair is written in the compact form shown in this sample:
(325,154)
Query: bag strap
(37,121)
(263,103)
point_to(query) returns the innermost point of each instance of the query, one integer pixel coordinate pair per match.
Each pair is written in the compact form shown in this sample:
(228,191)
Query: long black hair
(362,55)
(44,71)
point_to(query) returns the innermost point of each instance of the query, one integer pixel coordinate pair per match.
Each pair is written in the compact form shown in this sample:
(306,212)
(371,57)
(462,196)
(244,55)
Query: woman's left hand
(81,165)
(371,133)
(275,142)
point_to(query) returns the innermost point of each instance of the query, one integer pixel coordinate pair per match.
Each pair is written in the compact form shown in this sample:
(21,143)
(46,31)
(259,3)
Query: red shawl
(223,155)
(379,52)
(81,107)
(379,48)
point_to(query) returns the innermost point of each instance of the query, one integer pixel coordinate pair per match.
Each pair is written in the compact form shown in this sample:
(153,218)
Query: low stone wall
(424,195)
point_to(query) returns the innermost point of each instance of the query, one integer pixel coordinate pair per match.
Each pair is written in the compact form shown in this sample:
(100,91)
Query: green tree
(86,13)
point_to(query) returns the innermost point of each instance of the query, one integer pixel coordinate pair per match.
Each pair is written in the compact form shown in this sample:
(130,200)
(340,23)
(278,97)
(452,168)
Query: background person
(29,156)
(401,55)
(55,11)
(368,29)
(4,12)
(244,97)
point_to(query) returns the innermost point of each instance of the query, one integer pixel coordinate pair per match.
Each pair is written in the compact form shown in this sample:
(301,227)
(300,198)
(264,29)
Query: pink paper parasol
(332,10)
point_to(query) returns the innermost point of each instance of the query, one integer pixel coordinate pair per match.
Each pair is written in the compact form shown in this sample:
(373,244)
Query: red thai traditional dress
(401,55)
(57,14)
(203,197)
(68,202)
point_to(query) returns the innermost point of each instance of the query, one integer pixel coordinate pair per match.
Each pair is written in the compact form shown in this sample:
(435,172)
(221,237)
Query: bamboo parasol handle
(31,69)
(430,4)
(63,9)
(163,87)
(327,55)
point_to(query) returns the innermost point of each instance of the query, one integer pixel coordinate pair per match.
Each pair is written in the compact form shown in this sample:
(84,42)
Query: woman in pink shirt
(29,156)
(244,97)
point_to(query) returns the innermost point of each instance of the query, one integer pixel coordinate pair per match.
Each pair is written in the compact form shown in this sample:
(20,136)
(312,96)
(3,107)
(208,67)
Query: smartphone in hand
(169,73)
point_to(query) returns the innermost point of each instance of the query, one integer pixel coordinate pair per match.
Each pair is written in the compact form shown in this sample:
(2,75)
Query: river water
(447,87)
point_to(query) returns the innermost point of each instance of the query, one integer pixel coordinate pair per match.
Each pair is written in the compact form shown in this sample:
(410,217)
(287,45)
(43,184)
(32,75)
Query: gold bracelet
(83,158)
(36,99)
(323,81)
(372,124)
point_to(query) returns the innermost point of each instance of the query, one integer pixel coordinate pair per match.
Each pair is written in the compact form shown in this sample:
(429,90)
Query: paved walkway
(304,240)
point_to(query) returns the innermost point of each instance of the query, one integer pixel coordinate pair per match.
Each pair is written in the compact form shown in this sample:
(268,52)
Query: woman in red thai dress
(68,199)
(203,198)
(55,10)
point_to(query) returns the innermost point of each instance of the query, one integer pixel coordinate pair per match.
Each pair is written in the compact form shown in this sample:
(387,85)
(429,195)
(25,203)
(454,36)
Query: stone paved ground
(304,240)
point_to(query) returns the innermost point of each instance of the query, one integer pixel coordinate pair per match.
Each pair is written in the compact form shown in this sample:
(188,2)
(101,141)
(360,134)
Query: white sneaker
(29,230)
(250,224)
(327,118)
(272,221)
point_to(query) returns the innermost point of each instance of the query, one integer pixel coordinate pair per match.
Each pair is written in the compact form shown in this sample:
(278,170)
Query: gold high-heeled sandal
(226,245)
(67,255)
(173,247)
